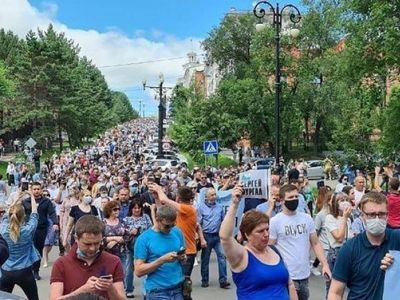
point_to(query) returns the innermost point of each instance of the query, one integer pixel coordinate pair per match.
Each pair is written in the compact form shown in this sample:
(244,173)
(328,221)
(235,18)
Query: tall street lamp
(277,13)
(160,89)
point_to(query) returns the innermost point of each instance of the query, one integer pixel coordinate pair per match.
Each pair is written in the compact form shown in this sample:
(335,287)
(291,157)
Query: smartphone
(181,251)
(106,276)
(24,186)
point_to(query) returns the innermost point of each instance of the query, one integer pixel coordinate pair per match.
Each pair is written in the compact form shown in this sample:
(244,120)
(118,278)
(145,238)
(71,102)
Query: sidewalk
(7,157)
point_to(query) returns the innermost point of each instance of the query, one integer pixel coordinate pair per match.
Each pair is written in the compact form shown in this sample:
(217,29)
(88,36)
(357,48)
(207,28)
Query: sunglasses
(116,209)
(46,195)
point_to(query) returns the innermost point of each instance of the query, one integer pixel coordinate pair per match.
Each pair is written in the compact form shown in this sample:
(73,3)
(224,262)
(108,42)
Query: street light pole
(161,115)
(277,14)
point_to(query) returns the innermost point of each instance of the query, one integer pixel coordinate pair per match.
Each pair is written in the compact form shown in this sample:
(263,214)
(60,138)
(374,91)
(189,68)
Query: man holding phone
(158,254)
(87,269)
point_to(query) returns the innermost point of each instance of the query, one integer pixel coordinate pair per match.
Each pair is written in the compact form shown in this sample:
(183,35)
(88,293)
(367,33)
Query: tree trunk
(60,139)
(317,139)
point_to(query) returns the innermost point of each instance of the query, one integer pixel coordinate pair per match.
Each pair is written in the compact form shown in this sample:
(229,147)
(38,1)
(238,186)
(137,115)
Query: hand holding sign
(237,193)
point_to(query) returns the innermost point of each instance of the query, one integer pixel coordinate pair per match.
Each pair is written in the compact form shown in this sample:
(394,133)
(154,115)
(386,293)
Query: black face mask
(292,204)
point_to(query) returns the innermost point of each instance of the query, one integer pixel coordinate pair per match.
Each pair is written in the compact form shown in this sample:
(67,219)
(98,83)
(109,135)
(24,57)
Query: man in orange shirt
(186,221)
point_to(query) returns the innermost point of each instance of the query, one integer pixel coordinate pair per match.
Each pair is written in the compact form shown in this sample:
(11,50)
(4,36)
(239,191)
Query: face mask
(134,189)
(292,204)
(87,199)
(375,226)
(344,205)
(103,195)
(83,255)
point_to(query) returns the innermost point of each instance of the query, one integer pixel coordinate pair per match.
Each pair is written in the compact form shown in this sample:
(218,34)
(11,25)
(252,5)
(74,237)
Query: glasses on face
(380,215)
(203,177)
(46,195)
(116,209)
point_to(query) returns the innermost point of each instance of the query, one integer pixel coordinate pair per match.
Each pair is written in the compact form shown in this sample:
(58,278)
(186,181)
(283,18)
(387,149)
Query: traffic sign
(166,146)
(30,143)
(210,147)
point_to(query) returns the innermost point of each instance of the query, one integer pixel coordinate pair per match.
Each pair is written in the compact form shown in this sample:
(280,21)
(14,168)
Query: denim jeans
(167,294)
(302,289)
(213,242)
(331,258)
(127,263)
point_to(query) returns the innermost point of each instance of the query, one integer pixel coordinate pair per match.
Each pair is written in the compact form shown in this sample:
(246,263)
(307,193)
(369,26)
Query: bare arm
(163,198)
(340,234)
(292,291)
(336,290)
(70,224)
(33,204)
(319,252)
(234,252)
(142,268)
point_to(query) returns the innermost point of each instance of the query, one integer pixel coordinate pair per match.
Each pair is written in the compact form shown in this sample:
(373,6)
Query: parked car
(264,163)
(315,169)
(164,163)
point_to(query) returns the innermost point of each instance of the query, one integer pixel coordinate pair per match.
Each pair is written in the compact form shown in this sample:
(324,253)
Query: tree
(391,127)
(121,109)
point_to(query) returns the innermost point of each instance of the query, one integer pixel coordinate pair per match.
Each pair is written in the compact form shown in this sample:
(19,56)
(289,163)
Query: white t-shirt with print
(292,235)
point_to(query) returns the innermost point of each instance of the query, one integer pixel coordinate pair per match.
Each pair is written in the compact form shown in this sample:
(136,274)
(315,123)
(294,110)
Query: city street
(317,286)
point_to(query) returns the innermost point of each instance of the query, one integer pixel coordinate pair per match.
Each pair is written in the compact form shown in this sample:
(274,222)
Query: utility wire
(142,62)
(145,62)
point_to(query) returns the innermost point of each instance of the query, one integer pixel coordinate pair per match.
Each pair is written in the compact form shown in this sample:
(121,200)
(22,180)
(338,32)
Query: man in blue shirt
(210,215)
(360,260)
(158,255)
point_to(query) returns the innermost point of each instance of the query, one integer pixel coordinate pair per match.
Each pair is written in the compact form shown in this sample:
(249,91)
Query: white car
(315,169)
(164,163)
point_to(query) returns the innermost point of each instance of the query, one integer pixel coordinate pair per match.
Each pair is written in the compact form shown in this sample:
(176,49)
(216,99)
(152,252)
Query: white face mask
(103,195)
(344,205)
(87,200)
(375,226)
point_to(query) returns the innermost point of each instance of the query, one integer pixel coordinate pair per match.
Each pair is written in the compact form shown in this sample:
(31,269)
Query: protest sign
(224,198)
(391,289)
(255,183)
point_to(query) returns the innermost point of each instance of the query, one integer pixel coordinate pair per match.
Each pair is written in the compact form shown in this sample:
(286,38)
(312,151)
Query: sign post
(210,148)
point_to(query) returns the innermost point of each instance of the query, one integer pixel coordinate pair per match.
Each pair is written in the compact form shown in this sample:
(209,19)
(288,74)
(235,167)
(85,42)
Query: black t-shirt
(200,186)
(77,213)
(293,174)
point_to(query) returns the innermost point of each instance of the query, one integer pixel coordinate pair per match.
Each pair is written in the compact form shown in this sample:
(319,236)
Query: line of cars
(315,169)
(171,158)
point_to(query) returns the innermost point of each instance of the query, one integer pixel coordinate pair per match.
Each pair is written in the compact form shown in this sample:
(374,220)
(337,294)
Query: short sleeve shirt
(150,246)
(358,265)
(292,235)
(331,224)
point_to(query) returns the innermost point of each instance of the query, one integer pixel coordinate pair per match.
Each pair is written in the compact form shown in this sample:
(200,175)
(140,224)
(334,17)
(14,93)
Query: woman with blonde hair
(19,236)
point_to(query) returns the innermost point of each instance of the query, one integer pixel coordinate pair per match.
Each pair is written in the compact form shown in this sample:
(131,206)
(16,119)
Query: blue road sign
(210,147)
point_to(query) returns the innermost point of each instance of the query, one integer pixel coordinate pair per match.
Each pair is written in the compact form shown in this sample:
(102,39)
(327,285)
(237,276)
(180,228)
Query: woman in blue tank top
(257,269)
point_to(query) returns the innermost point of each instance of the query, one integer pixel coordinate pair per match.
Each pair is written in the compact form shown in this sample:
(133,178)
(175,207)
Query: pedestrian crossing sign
(210,147)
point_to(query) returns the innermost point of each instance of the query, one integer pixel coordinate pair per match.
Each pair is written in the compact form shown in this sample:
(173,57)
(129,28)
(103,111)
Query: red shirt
(393,209)
(74,272)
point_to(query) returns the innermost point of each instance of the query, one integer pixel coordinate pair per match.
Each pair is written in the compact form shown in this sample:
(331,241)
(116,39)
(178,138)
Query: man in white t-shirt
(359,189)
(293,233)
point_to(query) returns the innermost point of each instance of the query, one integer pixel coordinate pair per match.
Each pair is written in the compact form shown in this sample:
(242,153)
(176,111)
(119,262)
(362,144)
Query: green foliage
(391,125)
(335,73)
(57,92)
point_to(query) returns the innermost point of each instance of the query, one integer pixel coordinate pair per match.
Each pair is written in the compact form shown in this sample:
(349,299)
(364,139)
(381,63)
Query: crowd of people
(113,215)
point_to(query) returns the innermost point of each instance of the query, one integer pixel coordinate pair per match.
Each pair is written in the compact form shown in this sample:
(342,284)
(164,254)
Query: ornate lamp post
(161,90)
(277,13)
